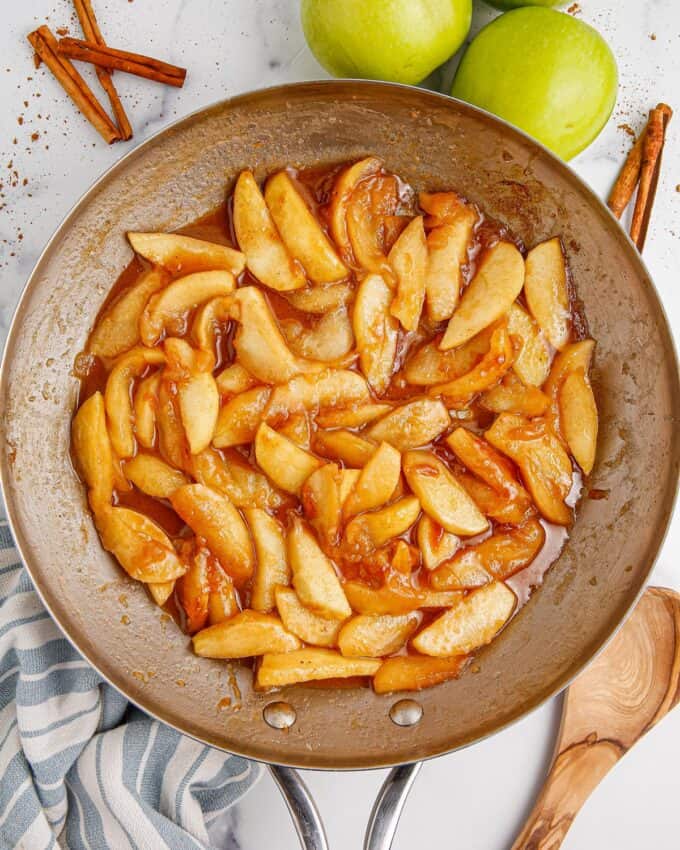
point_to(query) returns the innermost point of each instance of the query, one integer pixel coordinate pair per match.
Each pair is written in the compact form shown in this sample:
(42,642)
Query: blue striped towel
(82,769)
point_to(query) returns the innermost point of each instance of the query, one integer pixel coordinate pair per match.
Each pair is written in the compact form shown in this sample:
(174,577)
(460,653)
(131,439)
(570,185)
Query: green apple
(398,40)
(544,71)
(515,4)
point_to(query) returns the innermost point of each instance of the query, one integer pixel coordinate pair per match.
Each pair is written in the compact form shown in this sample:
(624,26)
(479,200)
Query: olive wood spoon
(626,691)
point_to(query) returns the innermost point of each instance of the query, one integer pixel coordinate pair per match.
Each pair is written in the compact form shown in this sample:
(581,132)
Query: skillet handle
(302,808)
(382,824)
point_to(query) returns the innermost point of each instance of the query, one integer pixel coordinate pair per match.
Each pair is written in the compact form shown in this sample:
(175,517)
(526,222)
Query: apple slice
(272,559)
(348,479)
(512,396)
(498,281)
(161,591)
(314,577)
(473,622)
(408,258)
(297,429)
(222,601)
(212,516)
(240,417)
(413,672)
(118,329)
(172,442)
(321,502)
(411,425)
(574,357)
(145,404)
(307,665)
(447,247)
(387,600)
(501,555)
(266,255)
(344,446)
(193,592)
(376,483)
(371,635)
(342,192)
(371,201)
(234,379)
(546,289)
(186,255)
(430,365)
(302,234)
(321,299)
(441,496)
(435,543)
(329,339)
(578,418)
(532,363)
(92,448)
(204,327)
(543,462)
(230,473)
(284,463)
(371,531)
(153,476)
(168,309)
(248,633)
(303,623)
(330,388)
(199,405)
(351,417)
(375,331)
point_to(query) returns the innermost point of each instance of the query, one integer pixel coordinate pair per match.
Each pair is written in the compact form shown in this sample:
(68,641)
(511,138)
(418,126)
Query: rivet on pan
(279,715)
(406,712)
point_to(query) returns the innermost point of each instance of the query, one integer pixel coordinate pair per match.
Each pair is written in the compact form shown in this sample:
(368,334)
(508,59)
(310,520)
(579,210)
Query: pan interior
(435,143)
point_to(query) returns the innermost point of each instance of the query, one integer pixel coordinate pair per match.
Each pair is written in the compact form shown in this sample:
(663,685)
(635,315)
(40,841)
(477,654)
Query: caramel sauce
(315,184)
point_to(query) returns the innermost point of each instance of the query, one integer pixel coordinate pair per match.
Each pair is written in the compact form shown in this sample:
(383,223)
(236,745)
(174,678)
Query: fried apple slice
(321,502)
(168,309)
(441,207)
(230,473)
(435,543)
(351,417)
(372,201)
(145,405)
(259,343)
(501,556)
(493,289)
(490,369)
(512,396)
(118,329)
(430,365)
(447,248)
(193,592)
(306,665)
(494,470)
(387,600)
(183,359)
(371,531)
(412,424)
(376,483)
(303,623)
(408,258)
(117,398)
(272,561)
(321,299)
(186,255)
(472,622)
(543,462)
(212,516)
(204,327)
(328,340)
(547,291)
(92,448)
(348,478)
(375,331)
(199,406)
(491,503)
(330,388)
(441,496)
(153,476)
(142,549)
(572,358)
(240,417)
(373,635)
(248,633)
(414,673)
(172,442)
(314,577)
(222,602)
(345,446)
(532,362)
(344,186)
(258,238)
(284,463)
(578,418)
(234,379)
(302,234)
(297,429)
(161,591)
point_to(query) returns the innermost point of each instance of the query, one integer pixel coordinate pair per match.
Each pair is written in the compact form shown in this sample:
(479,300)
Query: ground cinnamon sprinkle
(574,9)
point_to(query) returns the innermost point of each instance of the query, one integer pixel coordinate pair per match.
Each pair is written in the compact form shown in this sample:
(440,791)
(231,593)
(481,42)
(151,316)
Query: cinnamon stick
(91,31)
(45,46)
(627,180)
(652,149)
(121,60)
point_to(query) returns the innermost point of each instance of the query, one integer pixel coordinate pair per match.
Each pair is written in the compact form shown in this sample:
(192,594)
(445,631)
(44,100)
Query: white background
(478,798)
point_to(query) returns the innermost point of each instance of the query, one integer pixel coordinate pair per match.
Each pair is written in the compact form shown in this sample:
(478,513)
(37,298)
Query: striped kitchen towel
(80,768)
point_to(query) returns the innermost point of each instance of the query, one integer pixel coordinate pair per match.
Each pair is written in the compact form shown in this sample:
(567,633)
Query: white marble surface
(475,799)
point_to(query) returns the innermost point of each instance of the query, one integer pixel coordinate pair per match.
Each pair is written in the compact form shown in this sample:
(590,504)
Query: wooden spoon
(628,689)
